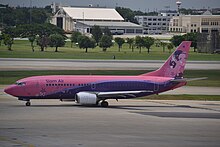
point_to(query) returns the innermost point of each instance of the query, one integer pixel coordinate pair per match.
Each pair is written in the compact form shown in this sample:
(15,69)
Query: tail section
(175,64)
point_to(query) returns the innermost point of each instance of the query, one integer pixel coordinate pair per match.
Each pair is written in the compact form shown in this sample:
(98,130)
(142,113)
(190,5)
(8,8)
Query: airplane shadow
(122,107)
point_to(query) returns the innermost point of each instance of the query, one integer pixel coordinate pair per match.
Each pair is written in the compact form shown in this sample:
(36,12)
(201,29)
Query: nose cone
(10,90)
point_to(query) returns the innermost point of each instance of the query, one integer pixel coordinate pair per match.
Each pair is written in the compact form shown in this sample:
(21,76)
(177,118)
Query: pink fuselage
(66,87)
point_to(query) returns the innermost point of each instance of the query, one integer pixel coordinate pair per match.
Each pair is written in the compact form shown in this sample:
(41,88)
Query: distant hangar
(82,19)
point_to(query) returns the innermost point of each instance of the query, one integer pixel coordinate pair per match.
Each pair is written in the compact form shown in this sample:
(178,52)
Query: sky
(143,5)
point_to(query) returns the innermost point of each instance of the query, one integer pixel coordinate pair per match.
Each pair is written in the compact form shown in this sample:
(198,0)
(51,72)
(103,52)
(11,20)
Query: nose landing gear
(28,103)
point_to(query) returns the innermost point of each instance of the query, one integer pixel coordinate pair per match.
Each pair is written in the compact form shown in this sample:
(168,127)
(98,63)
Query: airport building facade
(156,24)
(195,23)
(82,19)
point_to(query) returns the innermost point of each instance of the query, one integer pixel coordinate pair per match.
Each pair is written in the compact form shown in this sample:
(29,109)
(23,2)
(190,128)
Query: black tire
(28,103)
(104,104)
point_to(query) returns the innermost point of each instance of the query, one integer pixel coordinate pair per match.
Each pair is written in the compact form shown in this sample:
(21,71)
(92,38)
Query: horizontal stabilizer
(188,79)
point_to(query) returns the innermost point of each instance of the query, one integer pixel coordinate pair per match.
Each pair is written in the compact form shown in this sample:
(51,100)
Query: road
(67,64)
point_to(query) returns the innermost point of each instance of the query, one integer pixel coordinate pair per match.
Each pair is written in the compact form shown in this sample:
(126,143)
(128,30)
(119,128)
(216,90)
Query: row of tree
(44,34)
(103,39)
(51,35)
(21,15)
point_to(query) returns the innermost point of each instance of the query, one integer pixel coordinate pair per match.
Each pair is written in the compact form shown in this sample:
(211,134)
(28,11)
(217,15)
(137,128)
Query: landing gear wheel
(28,103)
(104,104)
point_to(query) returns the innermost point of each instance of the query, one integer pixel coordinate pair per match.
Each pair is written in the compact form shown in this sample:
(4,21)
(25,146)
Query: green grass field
(22,49)
(9,77)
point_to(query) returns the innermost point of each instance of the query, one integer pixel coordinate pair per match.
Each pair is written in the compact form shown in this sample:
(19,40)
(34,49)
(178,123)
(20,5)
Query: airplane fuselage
(66,87)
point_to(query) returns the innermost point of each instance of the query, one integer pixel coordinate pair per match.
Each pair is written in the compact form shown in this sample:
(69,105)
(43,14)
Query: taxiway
(127,123)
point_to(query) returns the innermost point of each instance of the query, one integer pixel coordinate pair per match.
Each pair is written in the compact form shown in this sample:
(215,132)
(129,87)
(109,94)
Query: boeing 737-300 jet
(92,90)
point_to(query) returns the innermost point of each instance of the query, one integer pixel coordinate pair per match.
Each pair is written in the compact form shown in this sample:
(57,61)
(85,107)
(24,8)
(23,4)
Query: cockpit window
(20,83)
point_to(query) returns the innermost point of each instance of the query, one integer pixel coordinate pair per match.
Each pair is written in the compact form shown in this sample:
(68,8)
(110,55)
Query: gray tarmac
(70,64)
(127,123)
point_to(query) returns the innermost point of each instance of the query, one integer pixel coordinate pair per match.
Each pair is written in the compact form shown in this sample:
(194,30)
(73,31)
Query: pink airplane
(92,90)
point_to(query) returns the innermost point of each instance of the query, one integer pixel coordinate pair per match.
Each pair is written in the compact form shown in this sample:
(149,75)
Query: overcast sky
(143,5)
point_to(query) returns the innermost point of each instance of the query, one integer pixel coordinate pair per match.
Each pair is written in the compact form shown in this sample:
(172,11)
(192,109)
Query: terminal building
(158,24)
(82,19)
(195,23)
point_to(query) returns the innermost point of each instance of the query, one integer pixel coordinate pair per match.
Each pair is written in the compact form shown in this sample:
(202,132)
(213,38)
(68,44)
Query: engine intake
(86,98)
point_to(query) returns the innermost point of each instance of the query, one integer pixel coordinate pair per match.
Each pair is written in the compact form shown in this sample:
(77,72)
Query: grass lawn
(9,77)
(22,49)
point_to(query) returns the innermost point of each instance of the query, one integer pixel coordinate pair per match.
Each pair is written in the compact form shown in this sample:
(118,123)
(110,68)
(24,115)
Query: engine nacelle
(86,98)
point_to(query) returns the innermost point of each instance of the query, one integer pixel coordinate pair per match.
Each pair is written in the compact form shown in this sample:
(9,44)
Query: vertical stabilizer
(175,64)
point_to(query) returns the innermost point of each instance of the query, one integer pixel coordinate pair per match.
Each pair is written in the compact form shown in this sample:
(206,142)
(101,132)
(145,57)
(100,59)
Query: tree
(191,37)
(130,41)
(170,47)
(163,44)
(176,40)
(38,16)
(9,33)
(1,38)
(32,39)
(105,42)
(28,31)
(148,42)
(86,42)
(96,33)
(127,14)
(42,41)
(139,42)
(74,37)
(120,42)
(56,40)
(44,31)
(8,41)
(107,32)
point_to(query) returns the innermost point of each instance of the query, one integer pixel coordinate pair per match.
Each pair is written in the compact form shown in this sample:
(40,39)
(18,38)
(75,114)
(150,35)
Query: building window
(139,31)
(154,19)
(149,19)
(130,31)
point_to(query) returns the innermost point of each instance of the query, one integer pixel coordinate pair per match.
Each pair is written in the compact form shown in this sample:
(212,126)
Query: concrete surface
(67,64)
(127,123)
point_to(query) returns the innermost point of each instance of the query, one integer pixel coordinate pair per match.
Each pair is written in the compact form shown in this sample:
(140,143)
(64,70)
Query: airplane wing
(120,94)
(188,79)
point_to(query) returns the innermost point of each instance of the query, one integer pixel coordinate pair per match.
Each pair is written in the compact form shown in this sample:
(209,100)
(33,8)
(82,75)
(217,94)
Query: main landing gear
(104,103)
(28,103)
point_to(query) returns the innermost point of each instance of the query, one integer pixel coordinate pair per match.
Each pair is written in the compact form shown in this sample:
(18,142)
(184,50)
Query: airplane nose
(9,89)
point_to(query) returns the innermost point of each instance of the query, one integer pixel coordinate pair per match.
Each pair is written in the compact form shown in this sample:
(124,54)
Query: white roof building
(90,13)
(84,18)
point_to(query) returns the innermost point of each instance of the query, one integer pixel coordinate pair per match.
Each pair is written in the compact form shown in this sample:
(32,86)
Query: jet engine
(86,98)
